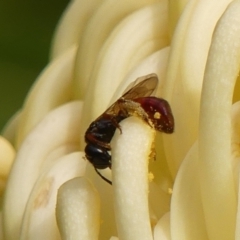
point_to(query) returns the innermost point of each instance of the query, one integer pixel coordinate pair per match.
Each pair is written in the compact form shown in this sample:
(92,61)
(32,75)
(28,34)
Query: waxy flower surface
(180,186)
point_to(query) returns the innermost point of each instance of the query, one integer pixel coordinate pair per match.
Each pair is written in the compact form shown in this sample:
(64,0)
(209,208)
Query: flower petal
(70,28)
(187,218)
(215,155)
(7,155)
(162,229)
(60,128)
(130,153)
(183,86)
(106,19)
(78,210)
(52,88)
(41,206)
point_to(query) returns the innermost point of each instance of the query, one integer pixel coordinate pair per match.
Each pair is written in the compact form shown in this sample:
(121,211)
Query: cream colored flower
(98,49)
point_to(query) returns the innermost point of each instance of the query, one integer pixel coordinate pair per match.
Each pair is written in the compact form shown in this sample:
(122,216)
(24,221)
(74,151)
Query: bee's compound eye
(98,156)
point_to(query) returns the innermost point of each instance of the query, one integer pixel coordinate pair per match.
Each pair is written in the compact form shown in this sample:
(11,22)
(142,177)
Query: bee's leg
(116,124)
(105,179)
(91,137)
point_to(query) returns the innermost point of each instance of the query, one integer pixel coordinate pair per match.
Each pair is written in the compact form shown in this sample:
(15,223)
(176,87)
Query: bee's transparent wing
(142,87)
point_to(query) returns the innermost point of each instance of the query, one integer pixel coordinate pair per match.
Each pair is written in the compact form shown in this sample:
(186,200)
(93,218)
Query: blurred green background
(26,30)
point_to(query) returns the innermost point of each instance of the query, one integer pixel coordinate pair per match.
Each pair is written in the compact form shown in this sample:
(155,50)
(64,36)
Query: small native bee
(136,101)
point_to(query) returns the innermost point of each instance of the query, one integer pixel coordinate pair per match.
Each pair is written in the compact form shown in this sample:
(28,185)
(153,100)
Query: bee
(136,101)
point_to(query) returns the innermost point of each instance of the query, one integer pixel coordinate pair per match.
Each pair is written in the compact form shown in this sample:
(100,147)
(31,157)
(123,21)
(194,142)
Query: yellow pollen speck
(157,115)
(150,176)
(170,191)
